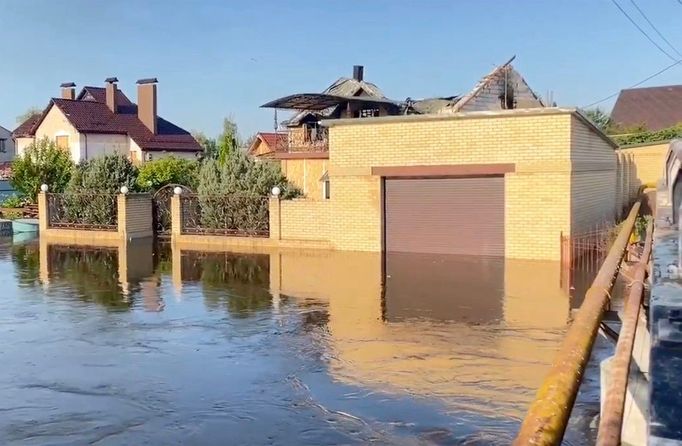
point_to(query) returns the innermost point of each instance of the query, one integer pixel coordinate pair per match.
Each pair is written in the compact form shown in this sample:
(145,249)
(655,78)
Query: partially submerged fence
(237,215)
(84,211)
(547,417)
(94,217)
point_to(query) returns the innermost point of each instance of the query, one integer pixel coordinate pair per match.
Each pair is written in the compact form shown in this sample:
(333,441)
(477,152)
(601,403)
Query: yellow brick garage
(563,180)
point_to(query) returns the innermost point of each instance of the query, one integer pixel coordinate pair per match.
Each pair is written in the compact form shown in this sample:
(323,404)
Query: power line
(637,84)
(642,31)
(655,28)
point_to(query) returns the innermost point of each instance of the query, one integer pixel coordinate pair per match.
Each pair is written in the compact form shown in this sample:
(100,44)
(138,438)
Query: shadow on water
(279,348)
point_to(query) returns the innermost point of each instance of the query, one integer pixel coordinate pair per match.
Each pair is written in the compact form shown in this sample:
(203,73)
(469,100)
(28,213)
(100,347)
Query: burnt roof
(90,114)
(654,107)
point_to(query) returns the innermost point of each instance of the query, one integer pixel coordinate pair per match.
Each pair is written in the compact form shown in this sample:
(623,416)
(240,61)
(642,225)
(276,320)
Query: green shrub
(13,201)
(170,170)
(42,163)
(645,136)
(104,175)
(241,174)
(90,197)
(233,192)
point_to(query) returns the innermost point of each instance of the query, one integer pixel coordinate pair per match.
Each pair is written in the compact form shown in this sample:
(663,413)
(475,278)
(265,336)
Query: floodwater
(137,345)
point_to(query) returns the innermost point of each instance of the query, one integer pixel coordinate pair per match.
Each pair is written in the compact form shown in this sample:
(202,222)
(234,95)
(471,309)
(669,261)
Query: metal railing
(87,211)
(547,417)
(234,214)
(306,141)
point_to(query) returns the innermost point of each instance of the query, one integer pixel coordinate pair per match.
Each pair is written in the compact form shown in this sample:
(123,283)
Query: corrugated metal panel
(445,215)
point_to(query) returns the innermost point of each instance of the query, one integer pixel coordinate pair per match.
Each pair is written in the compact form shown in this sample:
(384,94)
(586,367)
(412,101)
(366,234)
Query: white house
(102,121)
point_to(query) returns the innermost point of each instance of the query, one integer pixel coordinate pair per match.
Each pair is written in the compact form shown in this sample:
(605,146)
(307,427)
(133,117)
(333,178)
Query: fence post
(275,219)
(43,217)
(176,215)
(121,215)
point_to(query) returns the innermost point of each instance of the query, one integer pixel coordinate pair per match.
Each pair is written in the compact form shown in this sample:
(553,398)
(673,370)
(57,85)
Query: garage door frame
(432,172)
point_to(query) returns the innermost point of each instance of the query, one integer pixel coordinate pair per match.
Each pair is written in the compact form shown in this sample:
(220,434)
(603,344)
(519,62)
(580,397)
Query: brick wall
(648,160)
(537,207)
(593,179)
(565,174)
(306,174)
(304,219)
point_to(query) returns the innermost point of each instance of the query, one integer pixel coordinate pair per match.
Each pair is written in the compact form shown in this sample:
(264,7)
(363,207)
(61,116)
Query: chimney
(68,90)
(146,102)
(111,93)
(358,72)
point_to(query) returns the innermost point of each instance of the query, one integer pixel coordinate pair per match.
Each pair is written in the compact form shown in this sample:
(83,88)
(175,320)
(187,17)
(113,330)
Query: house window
(325,186)
(3,146)
(62,142)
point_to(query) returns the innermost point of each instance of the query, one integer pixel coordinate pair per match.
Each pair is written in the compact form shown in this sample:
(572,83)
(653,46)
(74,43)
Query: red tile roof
(26,127)
(276,142)
(90,114)
(655,107)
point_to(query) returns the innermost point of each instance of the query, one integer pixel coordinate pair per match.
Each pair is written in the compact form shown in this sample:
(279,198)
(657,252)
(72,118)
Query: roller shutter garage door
(445,215)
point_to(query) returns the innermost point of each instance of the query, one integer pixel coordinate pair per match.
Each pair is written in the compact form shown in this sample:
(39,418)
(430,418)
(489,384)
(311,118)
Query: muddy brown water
(149,345)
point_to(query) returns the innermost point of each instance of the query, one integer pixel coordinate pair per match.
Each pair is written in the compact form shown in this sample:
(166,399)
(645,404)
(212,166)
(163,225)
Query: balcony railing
(304,140)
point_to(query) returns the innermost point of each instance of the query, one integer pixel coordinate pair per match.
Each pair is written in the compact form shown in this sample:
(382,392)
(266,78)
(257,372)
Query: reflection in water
(239,283)
(281,348)
(444,287)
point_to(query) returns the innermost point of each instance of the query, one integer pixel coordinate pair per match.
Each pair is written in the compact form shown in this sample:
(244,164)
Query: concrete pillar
(43,216)
(275,218)
(135,216)
(121,200)
(176,215)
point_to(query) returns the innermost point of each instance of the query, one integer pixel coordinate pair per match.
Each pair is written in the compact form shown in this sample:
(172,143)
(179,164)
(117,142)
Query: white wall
(55,124)
(7,146)
(94,145)
(21,144)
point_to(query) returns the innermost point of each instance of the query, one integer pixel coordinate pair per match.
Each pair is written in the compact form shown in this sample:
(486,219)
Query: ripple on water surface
(143,345)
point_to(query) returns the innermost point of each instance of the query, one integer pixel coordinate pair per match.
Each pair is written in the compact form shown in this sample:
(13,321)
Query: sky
(217,59)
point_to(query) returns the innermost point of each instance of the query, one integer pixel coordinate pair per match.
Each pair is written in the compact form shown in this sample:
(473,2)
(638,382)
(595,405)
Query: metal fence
(241,215)
(87,211)
(588,249)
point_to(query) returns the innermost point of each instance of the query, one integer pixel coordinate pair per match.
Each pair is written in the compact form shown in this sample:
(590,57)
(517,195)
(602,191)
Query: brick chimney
(68,90)
(146,102)
(358,72)
(111,93)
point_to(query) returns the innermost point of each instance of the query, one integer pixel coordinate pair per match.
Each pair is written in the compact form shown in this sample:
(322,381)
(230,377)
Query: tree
(228,141)
(31,112)
(104,175)
(209,145)
(170,170)
(42,163)
(599,118)
(239,173)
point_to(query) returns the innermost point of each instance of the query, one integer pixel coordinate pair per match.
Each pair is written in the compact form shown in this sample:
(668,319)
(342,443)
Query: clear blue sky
(220,58)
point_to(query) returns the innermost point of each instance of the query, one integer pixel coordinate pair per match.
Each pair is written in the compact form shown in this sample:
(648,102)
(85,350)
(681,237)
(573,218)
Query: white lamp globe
(124,190)
(177,190)
(276,191)
(44,187)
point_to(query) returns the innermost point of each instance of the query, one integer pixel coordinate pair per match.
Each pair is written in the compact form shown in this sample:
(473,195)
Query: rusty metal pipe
(547,417)
(611,422)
